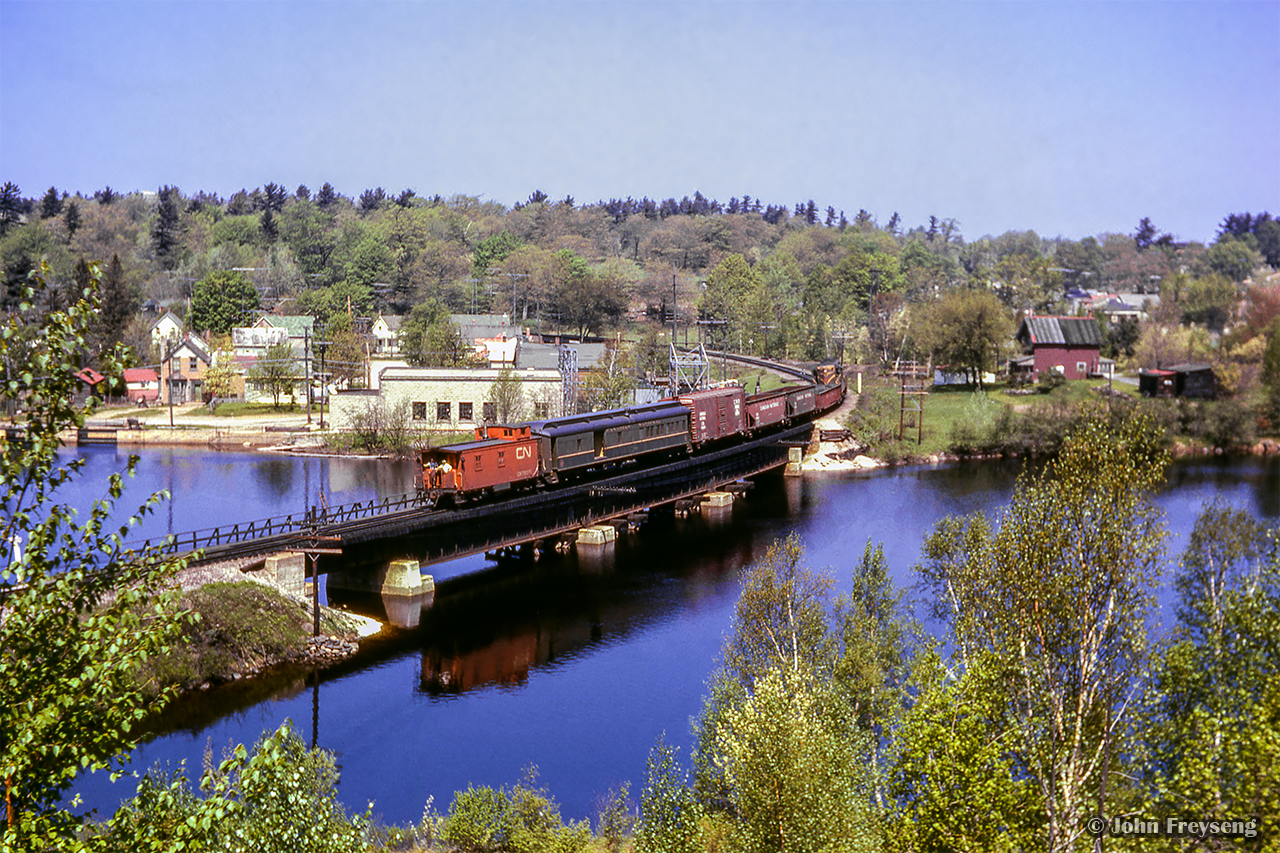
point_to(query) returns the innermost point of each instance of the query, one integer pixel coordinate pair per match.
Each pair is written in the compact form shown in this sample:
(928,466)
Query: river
(575,664)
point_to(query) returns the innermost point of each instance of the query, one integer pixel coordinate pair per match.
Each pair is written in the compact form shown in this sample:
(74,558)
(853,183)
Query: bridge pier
(795,455)
(405,591)
(286,569)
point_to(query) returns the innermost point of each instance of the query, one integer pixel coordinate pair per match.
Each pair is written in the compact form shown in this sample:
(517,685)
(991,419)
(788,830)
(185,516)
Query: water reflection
(578,665)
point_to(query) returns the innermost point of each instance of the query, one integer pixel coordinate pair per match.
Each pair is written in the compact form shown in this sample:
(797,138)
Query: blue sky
(1067,118)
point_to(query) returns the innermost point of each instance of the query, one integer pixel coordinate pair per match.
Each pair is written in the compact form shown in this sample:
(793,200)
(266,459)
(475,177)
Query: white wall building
(449,399)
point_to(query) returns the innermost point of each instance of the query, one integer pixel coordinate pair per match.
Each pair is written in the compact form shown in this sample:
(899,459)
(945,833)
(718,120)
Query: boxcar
(765,410)
(715,414)
(578,442)
(465,470)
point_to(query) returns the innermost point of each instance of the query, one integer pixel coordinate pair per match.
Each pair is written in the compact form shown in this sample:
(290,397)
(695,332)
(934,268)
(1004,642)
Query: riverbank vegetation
(965,421)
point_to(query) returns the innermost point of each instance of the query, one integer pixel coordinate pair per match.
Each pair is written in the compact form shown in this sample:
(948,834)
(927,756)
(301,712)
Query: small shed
(1180,380)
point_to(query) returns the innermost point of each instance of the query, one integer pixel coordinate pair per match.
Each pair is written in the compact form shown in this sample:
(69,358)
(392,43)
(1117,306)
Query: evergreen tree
(10,206)
(73,219)
(51,204)
(106,196)
(326,197)
(166,231)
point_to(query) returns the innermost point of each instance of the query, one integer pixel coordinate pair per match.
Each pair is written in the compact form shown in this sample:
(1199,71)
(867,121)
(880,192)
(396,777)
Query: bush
(238,626)
(524,819)
(280,798)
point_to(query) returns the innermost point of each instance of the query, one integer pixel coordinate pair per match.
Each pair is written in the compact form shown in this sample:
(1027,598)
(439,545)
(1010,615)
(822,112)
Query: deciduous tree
(81,612)
(1059,593)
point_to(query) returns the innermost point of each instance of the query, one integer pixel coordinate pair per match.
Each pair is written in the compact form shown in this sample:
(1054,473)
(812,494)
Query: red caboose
(469,469)
(715,414)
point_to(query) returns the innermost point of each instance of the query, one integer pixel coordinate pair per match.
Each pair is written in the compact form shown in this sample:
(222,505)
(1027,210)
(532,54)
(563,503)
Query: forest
(790,281)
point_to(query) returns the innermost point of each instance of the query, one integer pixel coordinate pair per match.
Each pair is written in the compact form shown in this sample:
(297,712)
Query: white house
(386,334)
(166,328)
(449,399)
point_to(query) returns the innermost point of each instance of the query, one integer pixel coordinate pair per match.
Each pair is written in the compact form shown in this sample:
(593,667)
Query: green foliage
(238,627)
(954,782)
(523,819)
(281,798)
(507,396)
(275,371)
(81,613)
(1214,703)
(616,818)
(966,330)
(1059,593)
(428,337)
(221,301)
(669,812)
(791,761)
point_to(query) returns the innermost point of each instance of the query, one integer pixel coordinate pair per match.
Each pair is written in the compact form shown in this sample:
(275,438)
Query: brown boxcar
(715,413)
(465,470)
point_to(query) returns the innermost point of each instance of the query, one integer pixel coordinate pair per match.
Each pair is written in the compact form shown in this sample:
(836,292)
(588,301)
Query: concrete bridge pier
(596,546)
(405,591)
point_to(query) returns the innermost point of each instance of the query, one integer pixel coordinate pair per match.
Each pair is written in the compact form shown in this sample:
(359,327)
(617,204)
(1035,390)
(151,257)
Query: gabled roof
(1061,331)
(140,374)
(391,321)
(172,317)
(89,376)
(296,324)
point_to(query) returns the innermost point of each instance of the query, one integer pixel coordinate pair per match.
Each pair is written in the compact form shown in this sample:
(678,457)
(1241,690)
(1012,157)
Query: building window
(443,411)
(1081,367)
(194,364)
(490,412)
(419,411)
(541,410)
(464,412)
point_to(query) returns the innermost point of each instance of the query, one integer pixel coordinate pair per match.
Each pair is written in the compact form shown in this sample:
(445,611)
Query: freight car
(715,414)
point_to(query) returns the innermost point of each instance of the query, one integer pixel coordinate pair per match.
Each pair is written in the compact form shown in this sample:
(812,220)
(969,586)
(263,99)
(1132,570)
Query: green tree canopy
(222,301)
(82,613)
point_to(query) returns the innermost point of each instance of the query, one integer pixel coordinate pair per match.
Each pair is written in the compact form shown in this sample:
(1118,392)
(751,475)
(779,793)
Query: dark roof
(1068,331)
(1189,368)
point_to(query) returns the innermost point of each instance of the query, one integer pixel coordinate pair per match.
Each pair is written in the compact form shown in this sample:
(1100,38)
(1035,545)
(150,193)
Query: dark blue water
(575,664)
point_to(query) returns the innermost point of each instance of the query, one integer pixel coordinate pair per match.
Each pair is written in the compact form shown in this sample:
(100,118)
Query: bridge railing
(279,525)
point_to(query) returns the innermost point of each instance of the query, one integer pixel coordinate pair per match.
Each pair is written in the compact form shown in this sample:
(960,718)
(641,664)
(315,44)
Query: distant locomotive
(546,452)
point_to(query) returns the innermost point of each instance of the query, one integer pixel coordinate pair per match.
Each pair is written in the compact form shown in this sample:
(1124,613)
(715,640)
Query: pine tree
(51,204)
(10,206)
(166,230)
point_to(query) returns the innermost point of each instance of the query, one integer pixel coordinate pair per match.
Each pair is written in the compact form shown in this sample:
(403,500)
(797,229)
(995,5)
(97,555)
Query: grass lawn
(949,405)
(236,410)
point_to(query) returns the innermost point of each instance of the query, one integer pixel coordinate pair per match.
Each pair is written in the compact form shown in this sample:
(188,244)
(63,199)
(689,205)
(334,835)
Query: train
(544,453)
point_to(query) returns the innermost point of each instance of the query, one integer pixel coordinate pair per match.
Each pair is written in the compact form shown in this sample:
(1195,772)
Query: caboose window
(479,463)
(502,459)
